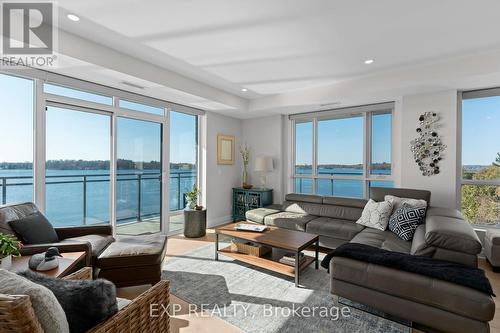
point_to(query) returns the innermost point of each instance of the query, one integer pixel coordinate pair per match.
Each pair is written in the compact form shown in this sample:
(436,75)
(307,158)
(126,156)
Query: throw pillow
(34,229)
(85,302)
(397,202)
(376,214)
(405,220)
(47,309)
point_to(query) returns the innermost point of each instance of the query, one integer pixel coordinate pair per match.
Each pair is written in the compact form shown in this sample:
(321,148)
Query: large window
(480,181)
(342,153)
(16,143)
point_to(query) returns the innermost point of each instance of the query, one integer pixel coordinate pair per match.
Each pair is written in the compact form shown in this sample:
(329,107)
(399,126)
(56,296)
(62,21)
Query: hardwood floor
(185,322)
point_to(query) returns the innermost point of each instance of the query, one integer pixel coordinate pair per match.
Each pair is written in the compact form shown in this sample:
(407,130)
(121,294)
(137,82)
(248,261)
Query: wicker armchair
(17,314)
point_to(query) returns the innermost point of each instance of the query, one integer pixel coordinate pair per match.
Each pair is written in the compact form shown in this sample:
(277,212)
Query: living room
(263,166)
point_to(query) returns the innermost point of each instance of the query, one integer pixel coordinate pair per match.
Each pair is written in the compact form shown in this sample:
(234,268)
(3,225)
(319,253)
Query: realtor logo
(28,33)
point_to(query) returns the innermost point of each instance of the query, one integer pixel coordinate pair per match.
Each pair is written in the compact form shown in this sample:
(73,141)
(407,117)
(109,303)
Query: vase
(245,175)
(6,262)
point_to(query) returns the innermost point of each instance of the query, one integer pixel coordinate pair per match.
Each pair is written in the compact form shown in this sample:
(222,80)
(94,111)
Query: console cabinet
(244,200)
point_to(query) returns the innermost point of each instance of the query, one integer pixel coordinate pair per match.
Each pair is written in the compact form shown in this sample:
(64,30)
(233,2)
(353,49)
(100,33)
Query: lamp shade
(264,164)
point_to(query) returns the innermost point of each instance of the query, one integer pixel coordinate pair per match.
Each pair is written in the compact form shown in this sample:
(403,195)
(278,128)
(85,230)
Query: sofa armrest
(68,232)
(63,247)
(451,234)
(147,309)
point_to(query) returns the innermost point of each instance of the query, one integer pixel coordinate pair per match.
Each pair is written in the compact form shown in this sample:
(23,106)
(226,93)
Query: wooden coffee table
(289,240)
(67,264)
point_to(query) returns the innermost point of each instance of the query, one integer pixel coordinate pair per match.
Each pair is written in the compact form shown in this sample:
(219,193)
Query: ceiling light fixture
(73,17)
(369,61)
(244,89)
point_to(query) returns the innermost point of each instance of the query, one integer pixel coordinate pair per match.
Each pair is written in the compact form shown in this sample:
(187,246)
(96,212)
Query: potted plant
(192,198)
(9,246)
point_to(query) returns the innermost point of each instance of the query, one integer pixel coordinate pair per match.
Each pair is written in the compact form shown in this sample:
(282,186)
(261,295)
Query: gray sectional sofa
(432,305)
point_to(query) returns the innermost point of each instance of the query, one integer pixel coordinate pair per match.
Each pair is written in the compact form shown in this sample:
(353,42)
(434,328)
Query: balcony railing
(180,182)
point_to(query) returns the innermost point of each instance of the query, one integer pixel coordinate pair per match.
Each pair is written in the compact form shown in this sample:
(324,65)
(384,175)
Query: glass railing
(138,194)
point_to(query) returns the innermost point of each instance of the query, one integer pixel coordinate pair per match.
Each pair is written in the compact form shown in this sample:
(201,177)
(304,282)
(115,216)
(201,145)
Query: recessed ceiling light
(244,89)
(369,61)
(73,17)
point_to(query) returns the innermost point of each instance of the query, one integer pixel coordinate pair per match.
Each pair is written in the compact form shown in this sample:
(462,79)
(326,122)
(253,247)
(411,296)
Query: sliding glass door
(138,176)
(77,166)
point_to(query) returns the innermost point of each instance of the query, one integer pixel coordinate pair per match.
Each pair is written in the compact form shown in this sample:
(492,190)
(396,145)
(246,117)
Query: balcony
(75,199)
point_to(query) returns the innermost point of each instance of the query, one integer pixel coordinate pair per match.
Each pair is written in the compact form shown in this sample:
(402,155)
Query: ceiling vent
(132,85)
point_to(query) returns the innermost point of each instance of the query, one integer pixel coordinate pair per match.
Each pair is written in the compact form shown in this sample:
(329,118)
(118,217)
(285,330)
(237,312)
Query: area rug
(257,300)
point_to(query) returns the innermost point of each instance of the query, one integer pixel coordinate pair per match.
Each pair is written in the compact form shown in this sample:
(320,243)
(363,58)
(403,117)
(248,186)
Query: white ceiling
(278,46)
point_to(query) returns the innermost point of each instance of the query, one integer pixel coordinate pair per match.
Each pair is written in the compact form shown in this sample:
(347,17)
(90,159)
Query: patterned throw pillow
(376,214)
(405,221)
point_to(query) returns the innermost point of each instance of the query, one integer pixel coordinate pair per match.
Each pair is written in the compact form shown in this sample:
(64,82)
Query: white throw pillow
(397,202)
(376,214)
(47,309)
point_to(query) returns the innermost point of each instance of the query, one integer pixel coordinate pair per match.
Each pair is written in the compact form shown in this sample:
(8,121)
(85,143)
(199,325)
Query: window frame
(366,111)
(460,181)
(42,99)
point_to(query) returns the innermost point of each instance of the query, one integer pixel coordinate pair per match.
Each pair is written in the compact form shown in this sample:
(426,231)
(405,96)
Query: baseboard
(214,222)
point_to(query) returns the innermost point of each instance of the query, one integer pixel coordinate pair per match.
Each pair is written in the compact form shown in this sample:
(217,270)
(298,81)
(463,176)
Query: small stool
(492,248)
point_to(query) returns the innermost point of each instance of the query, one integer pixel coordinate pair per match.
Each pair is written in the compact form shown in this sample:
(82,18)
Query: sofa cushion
(97,242)
(86,303)
(340,229)
(385,240)
(34,229)
(257,215)
(14,212)
(405,221)
(378,193)
(47,309)
(419,246)
(418,288)
(289,220)
(133,251)
(452,234)
(311,198)
(376,214)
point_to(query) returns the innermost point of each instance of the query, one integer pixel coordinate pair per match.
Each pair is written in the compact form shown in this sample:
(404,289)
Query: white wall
(264,138)
(442,185)
(219,180)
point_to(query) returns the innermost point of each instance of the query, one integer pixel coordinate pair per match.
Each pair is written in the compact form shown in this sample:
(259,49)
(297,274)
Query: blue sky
(340,141)
(80,135)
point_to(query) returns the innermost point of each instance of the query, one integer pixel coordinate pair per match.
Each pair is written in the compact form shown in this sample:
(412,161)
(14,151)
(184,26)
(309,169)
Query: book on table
(289,259)
(250,227)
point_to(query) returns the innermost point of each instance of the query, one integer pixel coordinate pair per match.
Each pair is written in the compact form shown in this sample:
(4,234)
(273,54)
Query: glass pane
(303,148)
(183,161)
(303,185)
(75,93)
(481,204)
(381,144)
(77,167)
(340,187)
(16,145)
(141,107)
(382,183)
(138,183)
(481,138)
(340,146)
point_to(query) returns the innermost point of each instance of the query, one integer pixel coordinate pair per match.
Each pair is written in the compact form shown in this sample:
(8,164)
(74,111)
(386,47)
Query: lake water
(65,193)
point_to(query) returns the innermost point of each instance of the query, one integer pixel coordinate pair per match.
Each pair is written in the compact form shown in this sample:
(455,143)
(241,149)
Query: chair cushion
(405,221)
(376,214)
(34,229)
(418,288)
(382,239)
(47,309)
(289,220)
(132,251)
(97,242)
(341,229)
(85,302)
(258,215)
(14,212)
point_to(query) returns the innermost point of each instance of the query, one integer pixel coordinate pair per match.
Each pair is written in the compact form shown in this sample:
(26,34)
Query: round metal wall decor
(428,148)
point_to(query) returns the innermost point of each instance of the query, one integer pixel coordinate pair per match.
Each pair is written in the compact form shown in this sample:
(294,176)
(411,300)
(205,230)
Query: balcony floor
(151,225)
